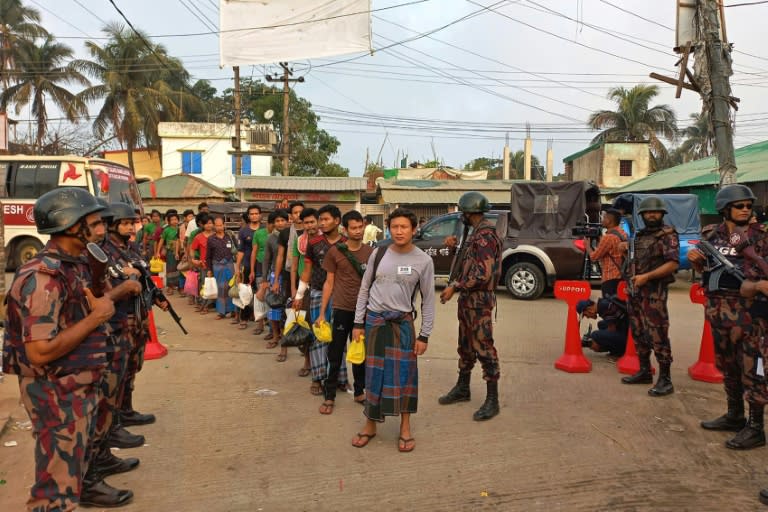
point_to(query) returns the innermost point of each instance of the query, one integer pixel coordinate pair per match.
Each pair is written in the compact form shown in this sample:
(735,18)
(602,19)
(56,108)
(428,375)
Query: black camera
(589,230)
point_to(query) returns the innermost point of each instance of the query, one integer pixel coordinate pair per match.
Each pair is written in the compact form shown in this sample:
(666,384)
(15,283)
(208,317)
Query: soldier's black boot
(644,375)
(106,463)
(763,496)
(459,392)
(753,434)
(129,417)
(731,421)
(490,408)
(98,493)
(663,383)
(121,438)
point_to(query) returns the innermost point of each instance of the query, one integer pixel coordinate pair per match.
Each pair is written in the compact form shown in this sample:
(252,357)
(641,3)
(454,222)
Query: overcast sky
(461,90)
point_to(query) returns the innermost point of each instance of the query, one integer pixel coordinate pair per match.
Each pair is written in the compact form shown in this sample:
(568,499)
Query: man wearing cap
(653,262)
(476,283)
(735,327)
(611,333)
(609,252)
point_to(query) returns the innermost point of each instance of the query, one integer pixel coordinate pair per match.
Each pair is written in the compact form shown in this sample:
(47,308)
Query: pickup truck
(539,244)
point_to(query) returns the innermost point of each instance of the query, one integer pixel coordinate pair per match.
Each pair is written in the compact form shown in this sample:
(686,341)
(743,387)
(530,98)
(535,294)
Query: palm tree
(517,165)
(698,138)
(135,91)
(18,24)
(38,79)
(635,120)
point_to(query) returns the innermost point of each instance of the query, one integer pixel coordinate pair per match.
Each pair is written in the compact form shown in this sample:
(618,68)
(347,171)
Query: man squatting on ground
(385,311)
(60,344)
(476,284)
(345,265)
(656,258)
(735,332)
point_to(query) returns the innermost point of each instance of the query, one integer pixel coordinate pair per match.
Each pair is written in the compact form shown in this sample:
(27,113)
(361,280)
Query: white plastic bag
(259,308)
(210,290)
(245,292)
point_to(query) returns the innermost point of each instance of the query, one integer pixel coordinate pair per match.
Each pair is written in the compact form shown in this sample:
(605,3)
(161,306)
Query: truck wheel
(25,251)
(525,281)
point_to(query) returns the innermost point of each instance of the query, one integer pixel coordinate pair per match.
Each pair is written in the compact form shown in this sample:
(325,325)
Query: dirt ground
(567,442)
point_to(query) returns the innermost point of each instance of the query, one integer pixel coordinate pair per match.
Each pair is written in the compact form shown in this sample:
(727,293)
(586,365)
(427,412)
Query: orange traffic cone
(154,349)
(629,363)
(704,369)
(573,360)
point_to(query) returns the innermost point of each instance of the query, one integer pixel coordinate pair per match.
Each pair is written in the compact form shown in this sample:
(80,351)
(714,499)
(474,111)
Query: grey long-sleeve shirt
(396,278)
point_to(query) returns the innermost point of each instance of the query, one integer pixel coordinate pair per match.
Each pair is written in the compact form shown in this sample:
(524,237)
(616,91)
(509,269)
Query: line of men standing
(75,335)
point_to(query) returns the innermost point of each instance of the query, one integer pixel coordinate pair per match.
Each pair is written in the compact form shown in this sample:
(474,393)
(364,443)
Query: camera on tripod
(588,230)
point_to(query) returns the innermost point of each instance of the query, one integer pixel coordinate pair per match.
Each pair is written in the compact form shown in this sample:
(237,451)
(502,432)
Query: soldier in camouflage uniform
(58,343)
(732,325)
(476,283)
(129,257)
(756,287)
(655,260)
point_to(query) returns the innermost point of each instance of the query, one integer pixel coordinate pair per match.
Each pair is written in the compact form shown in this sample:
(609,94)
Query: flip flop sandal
(272,344)
(304,372)
(361,437)
(327,407)
(243,325)
(316,389)
(402,444)
(281,358)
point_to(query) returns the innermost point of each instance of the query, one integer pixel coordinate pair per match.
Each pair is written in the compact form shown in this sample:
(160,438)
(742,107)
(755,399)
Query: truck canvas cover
(551,210)
(682,211)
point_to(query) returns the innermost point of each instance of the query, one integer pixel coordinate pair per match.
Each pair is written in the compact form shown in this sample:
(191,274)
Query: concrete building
(205,151)
(609,164)
(146,162)
(315,192)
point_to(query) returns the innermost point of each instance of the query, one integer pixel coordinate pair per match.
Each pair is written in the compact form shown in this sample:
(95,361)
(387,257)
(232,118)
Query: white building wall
(214,142)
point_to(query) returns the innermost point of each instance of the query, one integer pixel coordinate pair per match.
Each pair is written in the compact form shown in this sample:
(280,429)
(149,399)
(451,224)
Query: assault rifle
(745,246)
(458,256)
(153,293)
(99,262)
(722,265)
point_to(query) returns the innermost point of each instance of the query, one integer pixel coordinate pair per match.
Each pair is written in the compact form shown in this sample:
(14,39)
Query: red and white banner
(270,31)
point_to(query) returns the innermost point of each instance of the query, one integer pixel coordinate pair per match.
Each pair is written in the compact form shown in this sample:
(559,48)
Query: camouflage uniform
(480,272)
(61,397)
(648,314)
(732,326)
(756,391)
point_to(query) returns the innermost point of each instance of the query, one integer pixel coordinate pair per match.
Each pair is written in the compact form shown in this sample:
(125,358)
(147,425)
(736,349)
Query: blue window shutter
(247,164)
(197,162)
(234,166)
(186,162)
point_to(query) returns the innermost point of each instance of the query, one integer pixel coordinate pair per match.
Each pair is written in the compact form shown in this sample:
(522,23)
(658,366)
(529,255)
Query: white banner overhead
(270,31)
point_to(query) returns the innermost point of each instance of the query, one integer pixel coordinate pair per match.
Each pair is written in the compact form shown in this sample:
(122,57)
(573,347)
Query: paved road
(562,441)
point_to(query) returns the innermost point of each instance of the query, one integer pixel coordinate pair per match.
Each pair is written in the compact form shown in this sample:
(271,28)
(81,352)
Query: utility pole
(236,140)
(719,59)
(286,79)
(699,28)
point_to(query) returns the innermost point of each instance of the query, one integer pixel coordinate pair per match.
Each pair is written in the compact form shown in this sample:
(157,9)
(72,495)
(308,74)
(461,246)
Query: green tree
(494,166)
(18,25)
(517,165)
(140,87)
(697,141)
(635,120)
(38,80)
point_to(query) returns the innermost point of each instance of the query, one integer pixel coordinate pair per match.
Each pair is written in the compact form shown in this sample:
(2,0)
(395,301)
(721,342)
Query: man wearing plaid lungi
(313,277)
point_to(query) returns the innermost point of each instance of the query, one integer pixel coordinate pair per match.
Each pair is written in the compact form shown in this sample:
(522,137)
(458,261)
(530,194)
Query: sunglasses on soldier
(741,206)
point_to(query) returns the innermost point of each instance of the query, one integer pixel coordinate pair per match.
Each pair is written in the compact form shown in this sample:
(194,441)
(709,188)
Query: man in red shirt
(609,252)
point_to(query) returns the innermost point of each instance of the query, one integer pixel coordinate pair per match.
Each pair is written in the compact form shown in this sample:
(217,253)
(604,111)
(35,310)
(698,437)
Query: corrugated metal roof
(322,184)
(181,185)
(752,163)
(442,191)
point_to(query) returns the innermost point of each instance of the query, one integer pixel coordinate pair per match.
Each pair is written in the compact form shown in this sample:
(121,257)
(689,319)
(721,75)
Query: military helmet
(122,211)
(474,202)
(61,208)
(732,193)
(652,204)
(106,213)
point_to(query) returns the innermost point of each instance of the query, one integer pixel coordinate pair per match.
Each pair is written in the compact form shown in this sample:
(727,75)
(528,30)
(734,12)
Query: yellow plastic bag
(356,351)
(322,330)
(155,265)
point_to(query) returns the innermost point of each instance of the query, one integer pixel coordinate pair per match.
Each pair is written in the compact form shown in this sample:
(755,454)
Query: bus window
(31,180)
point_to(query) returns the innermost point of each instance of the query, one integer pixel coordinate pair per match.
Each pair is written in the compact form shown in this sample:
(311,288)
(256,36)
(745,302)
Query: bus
(24,178)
